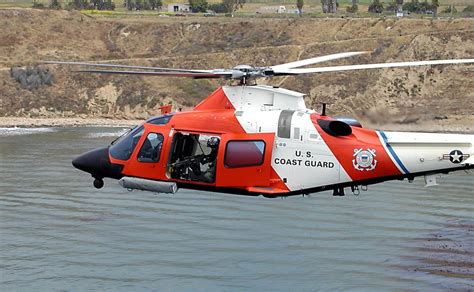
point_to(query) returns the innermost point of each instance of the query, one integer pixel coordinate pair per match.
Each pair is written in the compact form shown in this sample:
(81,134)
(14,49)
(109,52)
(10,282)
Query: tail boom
(428,152)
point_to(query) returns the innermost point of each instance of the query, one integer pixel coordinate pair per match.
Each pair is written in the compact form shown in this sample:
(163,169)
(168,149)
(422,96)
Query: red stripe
(216,101)
(343,149)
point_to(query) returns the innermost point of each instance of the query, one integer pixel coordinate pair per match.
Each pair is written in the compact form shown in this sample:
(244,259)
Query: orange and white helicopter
(263,140)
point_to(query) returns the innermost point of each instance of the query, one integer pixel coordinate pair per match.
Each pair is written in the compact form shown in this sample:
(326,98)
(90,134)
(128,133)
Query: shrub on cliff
(450,9)
(469,8)
(37,5)
(352,9)
(32,77)
(198,5)
(218,8)
(424,7)
(55,4)
(376,6)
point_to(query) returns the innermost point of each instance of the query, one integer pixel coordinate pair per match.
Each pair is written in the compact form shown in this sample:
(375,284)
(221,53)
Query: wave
(106,134)
(24,131)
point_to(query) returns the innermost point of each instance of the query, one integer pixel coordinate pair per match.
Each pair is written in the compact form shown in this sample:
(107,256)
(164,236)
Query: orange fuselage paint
(343,148)
(213,116)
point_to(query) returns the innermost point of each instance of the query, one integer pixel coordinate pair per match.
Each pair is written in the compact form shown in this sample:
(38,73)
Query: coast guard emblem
(364,159)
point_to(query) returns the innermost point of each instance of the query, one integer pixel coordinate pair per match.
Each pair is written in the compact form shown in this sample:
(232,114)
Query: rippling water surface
(58,232)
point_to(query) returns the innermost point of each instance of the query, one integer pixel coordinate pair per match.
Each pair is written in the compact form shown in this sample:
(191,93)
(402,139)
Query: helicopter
(257,140)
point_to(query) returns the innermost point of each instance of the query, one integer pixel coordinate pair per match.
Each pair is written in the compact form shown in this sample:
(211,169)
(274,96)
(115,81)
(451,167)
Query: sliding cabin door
(244,160)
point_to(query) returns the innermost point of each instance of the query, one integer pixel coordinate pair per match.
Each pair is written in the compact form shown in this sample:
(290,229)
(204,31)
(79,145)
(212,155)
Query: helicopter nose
(97,163)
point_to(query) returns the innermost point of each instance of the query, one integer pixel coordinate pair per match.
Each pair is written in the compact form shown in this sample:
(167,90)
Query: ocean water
(59,233)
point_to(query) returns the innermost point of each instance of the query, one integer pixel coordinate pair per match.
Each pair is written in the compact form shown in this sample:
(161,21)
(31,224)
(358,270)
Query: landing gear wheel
(98,183)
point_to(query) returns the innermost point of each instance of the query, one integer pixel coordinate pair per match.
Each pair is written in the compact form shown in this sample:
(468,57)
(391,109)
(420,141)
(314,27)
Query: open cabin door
(244,160)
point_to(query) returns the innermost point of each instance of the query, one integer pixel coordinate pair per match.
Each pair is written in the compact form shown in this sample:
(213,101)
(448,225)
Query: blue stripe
(394,155)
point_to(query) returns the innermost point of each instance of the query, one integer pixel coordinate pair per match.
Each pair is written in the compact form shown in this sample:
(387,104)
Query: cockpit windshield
(123,147)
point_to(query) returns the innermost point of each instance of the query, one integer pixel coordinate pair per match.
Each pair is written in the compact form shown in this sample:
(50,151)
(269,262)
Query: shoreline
(463,125)
(17,122)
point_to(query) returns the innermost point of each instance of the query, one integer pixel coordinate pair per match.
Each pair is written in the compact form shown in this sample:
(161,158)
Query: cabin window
(151,148)
(284,124)
(123,147)
(244,153)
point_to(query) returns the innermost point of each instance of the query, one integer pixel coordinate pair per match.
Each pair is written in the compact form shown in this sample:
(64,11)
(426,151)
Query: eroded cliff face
(392,95)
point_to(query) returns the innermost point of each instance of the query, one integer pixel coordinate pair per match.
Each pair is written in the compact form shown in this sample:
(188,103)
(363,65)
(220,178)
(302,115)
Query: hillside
(443,94)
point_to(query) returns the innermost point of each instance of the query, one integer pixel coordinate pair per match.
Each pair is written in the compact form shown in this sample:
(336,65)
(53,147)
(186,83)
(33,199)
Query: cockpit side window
(151,148)
(123,148)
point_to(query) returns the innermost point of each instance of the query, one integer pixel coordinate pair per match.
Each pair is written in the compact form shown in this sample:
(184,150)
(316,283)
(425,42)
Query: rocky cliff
(390,95)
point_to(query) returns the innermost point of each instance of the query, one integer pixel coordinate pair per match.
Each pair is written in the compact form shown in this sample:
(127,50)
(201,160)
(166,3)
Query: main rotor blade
(315,60)
(169,74)
(370,66)
(126,66)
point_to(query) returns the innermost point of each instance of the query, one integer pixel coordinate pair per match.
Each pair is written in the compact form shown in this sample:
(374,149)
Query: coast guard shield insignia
(364,159)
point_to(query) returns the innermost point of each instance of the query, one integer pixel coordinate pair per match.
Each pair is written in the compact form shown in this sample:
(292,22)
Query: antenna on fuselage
(325,101)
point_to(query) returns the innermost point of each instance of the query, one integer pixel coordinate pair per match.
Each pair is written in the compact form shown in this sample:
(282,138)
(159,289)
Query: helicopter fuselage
(261,140)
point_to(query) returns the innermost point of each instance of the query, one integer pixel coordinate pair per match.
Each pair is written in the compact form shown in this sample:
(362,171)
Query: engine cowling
(335,127)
